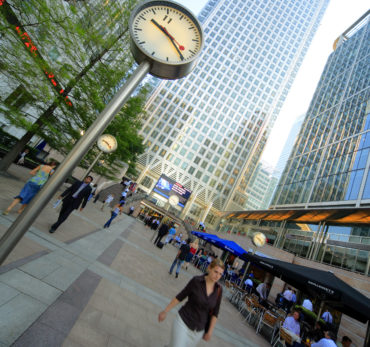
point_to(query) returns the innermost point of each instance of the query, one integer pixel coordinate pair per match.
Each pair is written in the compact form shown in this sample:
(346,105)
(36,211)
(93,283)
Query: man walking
(180,257)
(72,197)
(163,230)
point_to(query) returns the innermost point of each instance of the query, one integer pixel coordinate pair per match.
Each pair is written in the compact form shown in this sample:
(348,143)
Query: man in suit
(72,197)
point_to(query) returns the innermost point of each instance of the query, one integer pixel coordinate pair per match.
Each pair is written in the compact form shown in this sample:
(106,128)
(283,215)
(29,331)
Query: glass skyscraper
(329,165)
(208,130)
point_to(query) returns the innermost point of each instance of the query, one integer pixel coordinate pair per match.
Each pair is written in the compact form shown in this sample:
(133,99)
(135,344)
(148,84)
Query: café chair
(249,310)
(283,337)
(269,320)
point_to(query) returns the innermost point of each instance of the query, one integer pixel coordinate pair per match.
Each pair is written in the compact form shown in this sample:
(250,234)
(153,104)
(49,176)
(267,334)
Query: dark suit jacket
(82,196)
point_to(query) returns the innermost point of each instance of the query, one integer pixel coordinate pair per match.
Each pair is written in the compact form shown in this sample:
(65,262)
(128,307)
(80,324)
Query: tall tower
(329,165)
(208,130)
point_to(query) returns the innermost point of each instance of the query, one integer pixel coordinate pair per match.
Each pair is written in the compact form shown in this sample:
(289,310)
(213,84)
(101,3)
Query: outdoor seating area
(266,320)
(266,317)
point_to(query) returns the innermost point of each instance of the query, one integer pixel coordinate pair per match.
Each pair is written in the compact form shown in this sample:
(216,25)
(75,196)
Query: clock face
(167,34)
(107,143)
(259,239)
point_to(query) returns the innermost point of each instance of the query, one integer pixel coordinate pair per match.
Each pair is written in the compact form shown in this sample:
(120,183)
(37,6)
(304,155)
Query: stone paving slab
(104,287)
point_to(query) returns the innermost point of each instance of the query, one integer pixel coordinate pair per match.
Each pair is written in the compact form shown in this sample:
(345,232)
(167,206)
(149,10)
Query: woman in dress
(32,186)
(197,318)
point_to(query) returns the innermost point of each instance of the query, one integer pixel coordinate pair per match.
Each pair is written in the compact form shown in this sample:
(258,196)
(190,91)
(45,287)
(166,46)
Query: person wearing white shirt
(248,284)
(327,317)
(291,323)
(327,341)
(307,304)
(288,294)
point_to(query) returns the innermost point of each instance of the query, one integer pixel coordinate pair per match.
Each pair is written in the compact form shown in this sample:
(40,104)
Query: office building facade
(329,165)
(208,130)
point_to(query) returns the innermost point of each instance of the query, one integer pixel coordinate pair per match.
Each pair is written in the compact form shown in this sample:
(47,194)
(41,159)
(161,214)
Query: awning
(335,216)
(317,283)
(218,242)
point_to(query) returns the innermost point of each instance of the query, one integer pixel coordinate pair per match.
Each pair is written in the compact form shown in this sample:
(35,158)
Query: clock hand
(110,147)
(174,42)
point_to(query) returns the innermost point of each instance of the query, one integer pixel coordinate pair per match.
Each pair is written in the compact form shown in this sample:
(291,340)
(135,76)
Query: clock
(173,200)
(168,36)
(259,239)
(107,143)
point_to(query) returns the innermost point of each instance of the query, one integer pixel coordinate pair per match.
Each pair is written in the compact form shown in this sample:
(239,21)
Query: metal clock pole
(25,220)
(93,163)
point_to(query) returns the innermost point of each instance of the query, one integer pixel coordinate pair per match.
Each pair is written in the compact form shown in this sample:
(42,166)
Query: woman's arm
(207,336)
(34,171)
(162,315)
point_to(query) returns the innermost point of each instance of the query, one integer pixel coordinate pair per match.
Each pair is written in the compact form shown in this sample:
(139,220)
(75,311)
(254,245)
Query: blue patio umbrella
(224,244)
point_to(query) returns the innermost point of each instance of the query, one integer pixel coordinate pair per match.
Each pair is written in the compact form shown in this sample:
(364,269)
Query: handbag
(210,314)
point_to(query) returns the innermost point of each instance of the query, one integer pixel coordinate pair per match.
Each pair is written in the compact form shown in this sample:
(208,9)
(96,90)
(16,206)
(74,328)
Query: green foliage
(86,47)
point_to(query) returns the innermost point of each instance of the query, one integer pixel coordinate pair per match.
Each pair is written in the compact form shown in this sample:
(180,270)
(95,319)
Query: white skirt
(182,336)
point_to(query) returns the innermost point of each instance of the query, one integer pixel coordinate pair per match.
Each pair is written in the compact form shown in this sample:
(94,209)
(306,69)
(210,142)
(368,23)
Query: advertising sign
(167,187)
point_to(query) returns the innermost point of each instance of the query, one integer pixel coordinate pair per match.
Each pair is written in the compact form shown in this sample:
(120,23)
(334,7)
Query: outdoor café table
(295,337)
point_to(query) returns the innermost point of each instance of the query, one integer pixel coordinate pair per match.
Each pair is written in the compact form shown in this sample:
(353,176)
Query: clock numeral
(142,42)
(168,11)
(192,52)
(181,17)
(153,10)
(196,40)
(142,17)
(167,58)
(153,53)
(191,28)
(169,20)
(138,29)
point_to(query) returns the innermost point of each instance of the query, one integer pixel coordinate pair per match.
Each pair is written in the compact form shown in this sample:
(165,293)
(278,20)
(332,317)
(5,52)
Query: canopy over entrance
(318,283)
(224,244)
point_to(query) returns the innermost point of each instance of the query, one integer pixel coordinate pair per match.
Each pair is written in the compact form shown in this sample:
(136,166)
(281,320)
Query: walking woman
(117,209)
(197,318)
(33,185)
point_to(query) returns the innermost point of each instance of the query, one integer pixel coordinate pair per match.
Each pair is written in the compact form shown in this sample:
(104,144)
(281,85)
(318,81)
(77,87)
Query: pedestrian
(131,211)
(116,210)
(198,317)
(32,186)
(107,201)
(76,194)
(180,257)
(193,249)
(124,194)
(162,231)
(22,156)
(93,190)
(171,235)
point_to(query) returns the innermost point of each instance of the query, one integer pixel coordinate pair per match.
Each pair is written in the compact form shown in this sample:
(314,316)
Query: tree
(76,57)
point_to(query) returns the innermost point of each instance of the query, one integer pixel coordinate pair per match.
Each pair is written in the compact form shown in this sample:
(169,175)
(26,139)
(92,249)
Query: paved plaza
(89,286)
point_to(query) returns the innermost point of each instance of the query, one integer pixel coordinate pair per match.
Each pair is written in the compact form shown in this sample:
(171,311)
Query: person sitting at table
(327,341)
(262,291)
(291,323)
(307,304)
(248,283)
(287,295)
